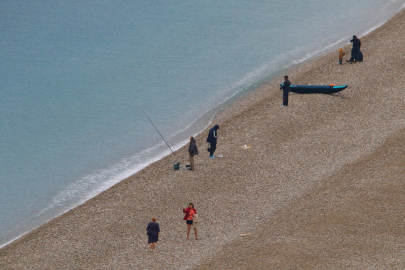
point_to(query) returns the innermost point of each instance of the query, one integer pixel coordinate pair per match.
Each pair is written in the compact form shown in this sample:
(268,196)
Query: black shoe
(187,165)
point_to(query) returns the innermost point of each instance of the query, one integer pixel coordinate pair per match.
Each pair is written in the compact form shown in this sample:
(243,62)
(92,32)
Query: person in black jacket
(212,140)
(192,151)
(355,49)
(286,90)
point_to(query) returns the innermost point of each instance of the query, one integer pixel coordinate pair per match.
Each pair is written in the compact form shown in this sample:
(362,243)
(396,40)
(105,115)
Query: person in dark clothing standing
(286,89)
(212,140)
(355,49)
(192,151)
(153,231)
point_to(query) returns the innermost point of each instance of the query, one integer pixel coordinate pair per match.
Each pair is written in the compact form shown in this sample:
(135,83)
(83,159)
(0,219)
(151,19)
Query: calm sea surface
(75,76)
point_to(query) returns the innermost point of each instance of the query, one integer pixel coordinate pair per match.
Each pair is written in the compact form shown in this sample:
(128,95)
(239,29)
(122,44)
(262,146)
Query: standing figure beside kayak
(212,140)
(286,90)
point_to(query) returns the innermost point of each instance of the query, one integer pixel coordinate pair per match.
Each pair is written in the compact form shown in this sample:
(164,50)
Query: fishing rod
(162,137)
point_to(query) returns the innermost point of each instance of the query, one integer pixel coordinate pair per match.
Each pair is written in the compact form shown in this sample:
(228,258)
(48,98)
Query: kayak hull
(317,89)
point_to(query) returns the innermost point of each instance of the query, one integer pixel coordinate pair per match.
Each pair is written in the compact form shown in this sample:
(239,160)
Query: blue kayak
(317,89)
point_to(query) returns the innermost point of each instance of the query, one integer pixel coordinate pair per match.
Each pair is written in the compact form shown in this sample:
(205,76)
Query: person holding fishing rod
(212,140)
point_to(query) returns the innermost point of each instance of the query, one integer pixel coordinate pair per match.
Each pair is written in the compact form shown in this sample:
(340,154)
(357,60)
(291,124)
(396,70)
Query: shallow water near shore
(75,78)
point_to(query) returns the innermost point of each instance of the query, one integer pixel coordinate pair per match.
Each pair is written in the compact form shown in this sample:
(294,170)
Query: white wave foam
(93,184)
(387,5)
(234,89)
(368,31)
(317,52)
(247,81)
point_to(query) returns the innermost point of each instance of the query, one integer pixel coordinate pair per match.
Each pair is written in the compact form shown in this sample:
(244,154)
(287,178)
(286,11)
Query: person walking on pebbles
(341,54)
(153,231)
(192,151)
(286,90)
(212,140)
(190,211)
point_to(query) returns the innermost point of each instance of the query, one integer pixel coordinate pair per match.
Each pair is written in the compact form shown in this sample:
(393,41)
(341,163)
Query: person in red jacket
(189,213)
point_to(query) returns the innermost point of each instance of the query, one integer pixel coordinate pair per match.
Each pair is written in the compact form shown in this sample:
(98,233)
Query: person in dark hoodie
(286,89)
(192,151)
(212,140)
(355,49)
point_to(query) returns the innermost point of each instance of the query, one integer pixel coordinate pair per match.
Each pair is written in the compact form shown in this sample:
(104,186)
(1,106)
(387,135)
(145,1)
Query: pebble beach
(320,187)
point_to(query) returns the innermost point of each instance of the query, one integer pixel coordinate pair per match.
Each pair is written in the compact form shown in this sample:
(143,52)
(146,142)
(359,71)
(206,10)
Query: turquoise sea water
(75,76)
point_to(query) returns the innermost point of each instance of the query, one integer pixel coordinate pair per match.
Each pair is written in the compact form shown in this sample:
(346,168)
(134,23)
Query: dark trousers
(354,55)
(285,98)
(213,147)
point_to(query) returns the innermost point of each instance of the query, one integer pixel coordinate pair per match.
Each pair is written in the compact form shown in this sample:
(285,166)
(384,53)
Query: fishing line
(162,137)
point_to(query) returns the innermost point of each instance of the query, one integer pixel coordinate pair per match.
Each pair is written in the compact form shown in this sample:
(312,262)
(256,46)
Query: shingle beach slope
(322,186)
